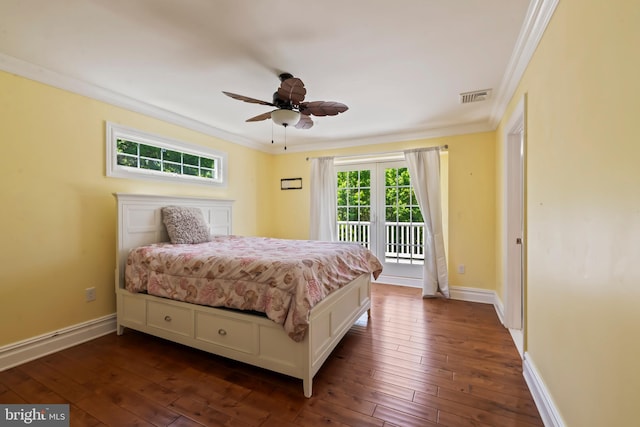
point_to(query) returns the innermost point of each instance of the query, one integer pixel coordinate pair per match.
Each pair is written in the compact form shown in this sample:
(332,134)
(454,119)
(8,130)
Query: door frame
(412,276)
(410,273)
(514,260)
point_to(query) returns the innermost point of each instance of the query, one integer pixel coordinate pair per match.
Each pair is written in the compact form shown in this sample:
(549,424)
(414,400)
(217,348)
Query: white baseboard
(33,348)
(517,335)
(547,408)
(399,280)
(456,292)
(483,296)
(497,304)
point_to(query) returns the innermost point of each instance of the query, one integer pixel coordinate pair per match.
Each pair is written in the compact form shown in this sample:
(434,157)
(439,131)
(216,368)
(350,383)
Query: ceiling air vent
(476,95)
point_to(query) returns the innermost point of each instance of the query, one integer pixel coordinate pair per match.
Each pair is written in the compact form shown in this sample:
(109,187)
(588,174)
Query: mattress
(284,279)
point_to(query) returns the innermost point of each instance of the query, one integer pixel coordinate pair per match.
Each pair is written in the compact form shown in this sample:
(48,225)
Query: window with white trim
(135,154)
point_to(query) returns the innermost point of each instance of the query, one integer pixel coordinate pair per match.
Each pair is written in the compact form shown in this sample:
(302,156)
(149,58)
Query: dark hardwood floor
(415,362)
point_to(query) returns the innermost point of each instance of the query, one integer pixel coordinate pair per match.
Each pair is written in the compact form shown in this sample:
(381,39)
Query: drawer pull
(167,318)
(222,332)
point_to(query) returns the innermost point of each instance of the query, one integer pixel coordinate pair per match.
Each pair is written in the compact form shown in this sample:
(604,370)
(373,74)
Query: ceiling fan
(290,108)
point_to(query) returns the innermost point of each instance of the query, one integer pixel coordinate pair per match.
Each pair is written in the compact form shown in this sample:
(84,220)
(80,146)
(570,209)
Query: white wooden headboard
(140,221)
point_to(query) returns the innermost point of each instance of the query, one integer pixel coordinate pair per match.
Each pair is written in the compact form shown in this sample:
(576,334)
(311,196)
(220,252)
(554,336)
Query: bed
(290,341)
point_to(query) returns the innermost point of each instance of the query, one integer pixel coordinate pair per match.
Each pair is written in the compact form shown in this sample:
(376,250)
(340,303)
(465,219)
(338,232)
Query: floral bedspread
(282,278)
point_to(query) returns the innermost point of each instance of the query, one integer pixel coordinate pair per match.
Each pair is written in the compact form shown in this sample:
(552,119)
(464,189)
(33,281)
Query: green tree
(354,195)
(401,204)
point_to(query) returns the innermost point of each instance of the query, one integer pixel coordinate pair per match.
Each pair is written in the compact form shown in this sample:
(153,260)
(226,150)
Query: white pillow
(185,225)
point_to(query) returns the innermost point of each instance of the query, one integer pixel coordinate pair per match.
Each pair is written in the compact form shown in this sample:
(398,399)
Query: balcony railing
(403,242)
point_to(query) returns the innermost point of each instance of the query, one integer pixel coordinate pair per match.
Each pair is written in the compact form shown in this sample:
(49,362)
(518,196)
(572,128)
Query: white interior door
(514,227)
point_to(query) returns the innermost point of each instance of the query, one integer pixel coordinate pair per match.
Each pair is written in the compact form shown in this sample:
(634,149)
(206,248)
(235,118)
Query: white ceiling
(399,65)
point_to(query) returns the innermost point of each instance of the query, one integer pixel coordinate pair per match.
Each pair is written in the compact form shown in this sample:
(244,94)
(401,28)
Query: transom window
(135,154)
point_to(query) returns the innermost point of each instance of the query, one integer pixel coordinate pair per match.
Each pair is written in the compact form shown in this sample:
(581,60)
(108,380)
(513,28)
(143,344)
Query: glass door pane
(401,229)
(354,206)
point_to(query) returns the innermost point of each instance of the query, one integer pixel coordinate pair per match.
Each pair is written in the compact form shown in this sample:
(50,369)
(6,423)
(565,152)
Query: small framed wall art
(291,184)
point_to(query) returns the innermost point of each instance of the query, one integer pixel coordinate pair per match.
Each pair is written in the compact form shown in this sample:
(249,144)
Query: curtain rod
(382,153)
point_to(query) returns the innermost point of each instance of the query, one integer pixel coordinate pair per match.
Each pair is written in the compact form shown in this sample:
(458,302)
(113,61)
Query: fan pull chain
(285,136)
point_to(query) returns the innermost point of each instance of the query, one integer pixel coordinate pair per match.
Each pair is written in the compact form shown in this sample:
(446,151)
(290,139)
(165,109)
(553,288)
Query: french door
(378,208)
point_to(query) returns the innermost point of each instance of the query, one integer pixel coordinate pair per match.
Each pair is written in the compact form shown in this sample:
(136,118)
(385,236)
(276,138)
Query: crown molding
(414,135)
(52,78)
(536,20)
(42,75)
(535,23)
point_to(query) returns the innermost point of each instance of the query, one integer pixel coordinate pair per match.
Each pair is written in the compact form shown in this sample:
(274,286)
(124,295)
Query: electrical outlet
(90,294)
(461,269)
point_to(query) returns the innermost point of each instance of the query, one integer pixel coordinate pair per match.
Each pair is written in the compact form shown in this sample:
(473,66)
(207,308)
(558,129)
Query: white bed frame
(247,338)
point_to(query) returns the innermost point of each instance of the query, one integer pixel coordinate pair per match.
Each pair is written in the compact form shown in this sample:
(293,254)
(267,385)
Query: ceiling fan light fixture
(284,117)
(291,110)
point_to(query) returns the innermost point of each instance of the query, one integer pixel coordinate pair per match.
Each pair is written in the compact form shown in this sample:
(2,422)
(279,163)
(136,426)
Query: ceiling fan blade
(292,90)
(247,99)
(260,117)
(322,108)
(305,122)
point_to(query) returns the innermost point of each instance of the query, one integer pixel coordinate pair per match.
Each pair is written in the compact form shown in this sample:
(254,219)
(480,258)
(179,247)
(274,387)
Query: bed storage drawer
(227,332)
(170,318)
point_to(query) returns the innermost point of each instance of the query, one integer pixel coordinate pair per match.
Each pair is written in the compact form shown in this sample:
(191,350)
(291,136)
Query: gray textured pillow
(185,225)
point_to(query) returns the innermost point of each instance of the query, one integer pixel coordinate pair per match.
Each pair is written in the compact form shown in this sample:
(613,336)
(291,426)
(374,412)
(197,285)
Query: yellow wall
(59,224)
(59,215)
(583,211)
(583,208)
(471,209)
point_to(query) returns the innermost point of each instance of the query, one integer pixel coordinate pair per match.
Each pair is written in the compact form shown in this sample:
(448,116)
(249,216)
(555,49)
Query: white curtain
(424,169)
(323,200)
